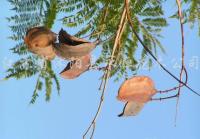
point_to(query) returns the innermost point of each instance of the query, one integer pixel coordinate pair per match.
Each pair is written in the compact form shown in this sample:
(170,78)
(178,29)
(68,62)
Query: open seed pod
(76,68)
(70,47)
(66,38)
(136,91)
(39,41)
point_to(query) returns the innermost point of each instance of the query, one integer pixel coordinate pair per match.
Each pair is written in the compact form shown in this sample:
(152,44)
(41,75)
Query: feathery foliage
(31,13)
(191,13)
(100,20)
(95,19)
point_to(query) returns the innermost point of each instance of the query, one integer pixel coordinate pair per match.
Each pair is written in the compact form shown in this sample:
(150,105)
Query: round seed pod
(137,88)
(135,91)
(45,52)
(40,40)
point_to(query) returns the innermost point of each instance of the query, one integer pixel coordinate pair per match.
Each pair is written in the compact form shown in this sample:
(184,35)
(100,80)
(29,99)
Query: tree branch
(182,55)
(107,74)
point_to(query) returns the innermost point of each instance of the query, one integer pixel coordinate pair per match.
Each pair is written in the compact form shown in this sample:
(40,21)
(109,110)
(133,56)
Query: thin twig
(102,82)
(152,55)
(97,68)
(176,87)
(107,74)
(93,131)
(107,39)
(164,98)
(90,35)
(119,44)
(182,55)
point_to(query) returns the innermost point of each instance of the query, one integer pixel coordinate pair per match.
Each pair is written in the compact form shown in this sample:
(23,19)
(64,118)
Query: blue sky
(68,115)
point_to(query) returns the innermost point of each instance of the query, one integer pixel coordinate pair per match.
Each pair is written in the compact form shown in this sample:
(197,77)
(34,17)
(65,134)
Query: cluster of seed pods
(42,42)
(135,92)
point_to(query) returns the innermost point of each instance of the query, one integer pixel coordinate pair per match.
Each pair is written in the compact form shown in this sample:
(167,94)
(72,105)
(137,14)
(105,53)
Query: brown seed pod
(76,68)
(66,38)
(72,52)
(39,41)
(136,91)
(45,52)
(70,47)
(137,88)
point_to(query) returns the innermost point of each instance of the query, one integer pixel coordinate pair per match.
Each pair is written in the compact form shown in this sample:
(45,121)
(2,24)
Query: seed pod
(68,52)
(66,38)
(137,88)
(76,68)
(70,47)
(136,91)
(38,38)
(45,52)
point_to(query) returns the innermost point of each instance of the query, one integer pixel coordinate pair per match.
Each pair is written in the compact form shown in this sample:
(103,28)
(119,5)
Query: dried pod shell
(38,38)
(70,47)
(76,68)
(131,109)
(66,38)
(68,52)
(138,89)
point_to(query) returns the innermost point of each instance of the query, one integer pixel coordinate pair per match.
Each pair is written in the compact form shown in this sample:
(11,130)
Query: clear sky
(67,116)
